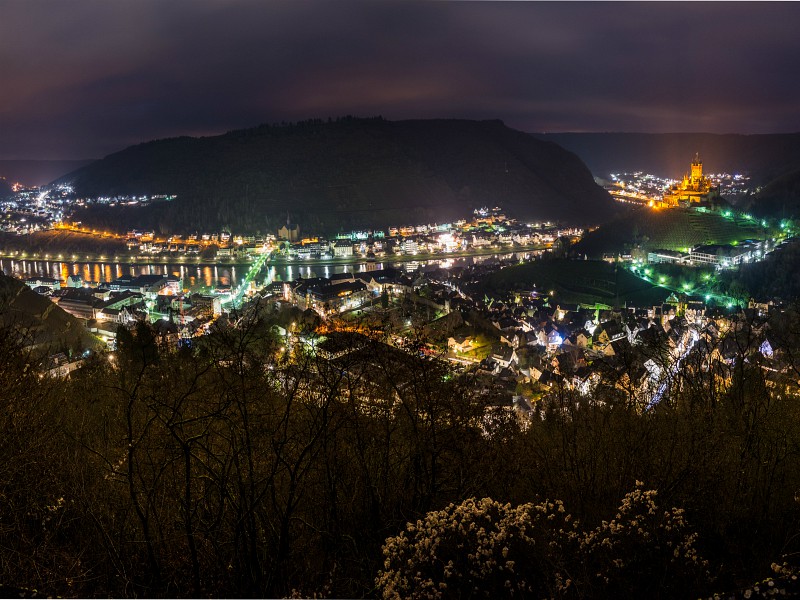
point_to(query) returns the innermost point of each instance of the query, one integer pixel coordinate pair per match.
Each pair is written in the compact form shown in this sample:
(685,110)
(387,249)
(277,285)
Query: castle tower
(697,170)
(695,187)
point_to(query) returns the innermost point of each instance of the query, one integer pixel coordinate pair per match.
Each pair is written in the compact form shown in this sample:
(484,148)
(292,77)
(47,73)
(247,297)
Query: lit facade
(694,188)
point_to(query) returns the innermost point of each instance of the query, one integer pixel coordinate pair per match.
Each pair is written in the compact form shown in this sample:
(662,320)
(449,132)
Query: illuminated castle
(694,188)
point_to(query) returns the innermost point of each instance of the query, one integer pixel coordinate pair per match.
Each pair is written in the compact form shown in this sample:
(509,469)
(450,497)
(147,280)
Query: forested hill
(780,198)
(765,157)
(343,174)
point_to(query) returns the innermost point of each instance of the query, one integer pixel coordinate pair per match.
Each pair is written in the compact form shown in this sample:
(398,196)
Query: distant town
(36,210)
(529,341)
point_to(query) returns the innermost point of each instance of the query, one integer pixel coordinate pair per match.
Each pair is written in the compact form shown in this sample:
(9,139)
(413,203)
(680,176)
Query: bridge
(235,301)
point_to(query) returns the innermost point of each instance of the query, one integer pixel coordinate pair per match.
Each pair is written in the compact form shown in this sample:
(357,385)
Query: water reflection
(205,277)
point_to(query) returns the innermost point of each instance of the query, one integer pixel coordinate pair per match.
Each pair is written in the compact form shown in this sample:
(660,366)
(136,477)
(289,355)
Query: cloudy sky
(83,78)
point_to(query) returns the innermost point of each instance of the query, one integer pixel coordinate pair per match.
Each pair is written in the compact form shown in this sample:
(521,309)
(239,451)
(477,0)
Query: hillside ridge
(345,173)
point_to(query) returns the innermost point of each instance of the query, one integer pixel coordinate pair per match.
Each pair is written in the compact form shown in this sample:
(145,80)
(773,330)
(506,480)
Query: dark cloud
(88,77)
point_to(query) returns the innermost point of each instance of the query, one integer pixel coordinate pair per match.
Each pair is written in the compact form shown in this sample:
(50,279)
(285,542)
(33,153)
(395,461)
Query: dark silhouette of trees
(253,465)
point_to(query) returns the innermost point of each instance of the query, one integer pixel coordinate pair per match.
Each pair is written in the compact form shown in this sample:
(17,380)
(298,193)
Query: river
(201,277)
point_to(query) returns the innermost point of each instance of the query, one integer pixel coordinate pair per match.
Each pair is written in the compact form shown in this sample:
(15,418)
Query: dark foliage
(246,467)
(673,229)
(778,276)
(40,323)
(346,173)
(780,199)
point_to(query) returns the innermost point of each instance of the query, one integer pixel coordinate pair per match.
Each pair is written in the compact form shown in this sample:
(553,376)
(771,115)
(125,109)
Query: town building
(79,302)
(290,231)
(410,246)
(667,257)
(722,255)
(206,305)
(147,285)
(343,249)
(46,282)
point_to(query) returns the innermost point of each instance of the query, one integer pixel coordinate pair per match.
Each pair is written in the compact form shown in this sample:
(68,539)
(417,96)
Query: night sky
(81,79)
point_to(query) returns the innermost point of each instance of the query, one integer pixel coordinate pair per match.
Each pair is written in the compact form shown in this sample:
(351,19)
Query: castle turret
(694,188)
(697,170)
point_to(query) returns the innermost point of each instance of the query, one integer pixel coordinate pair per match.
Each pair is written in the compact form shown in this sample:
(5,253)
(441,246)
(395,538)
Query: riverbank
(202,275)
(402,258)
(278,261)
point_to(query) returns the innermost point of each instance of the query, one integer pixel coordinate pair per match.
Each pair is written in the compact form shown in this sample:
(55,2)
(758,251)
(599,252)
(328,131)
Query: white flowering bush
(643,550)
(784,582)
(482,548)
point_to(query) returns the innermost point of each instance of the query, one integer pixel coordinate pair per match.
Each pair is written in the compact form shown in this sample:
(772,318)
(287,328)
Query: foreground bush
(483,548)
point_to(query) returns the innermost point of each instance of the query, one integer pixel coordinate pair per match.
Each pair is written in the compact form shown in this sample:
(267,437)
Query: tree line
(244,464)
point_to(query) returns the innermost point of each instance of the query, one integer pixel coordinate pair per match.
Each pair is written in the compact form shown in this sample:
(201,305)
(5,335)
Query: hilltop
(346,173)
